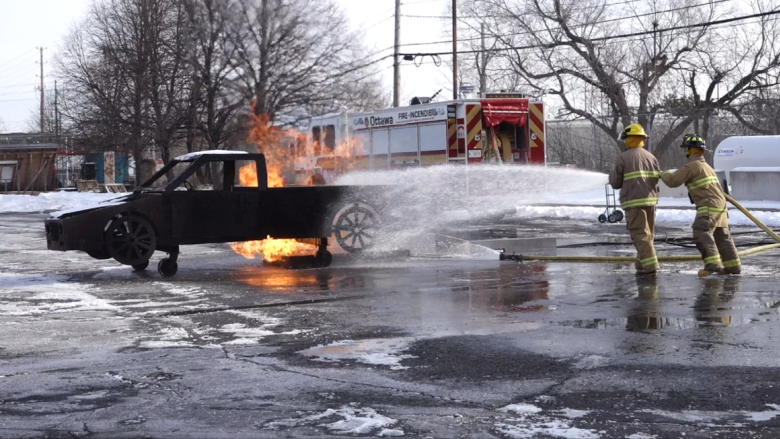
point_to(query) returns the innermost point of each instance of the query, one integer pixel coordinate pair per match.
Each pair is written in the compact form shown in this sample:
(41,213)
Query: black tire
(324,258)
(131,240)
(140,267)
(619,215)
(356,228)
(167,267)
(612,218)
(602,218)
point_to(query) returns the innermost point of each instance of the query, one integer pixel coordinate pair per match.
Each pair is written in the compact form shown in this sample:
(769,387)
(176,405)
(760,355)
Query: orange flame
(286,153)
(247,175)
(273,249)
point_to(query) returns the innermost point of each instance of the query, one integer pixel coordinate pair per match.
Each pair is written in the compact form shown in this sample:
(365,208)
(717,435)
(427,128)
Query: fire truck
(498,128)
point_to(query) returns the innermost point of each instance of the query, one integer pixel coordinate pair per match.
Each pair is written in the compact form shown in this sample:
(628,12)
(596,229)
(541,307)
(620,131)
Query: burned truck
(162,214)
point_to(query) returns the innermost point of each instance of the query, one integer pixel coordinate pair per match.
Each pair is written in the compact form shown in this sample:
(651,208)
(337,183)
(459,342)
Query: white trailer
(746,152)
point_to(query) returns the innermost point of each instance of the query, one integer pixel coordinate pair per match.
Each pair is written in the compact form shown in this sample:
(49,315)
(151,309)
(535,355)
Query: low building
(28,167)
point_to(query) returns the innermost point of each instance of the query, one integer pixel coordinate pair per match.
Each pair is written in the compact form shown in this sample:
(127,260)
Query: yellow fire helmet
(633,130)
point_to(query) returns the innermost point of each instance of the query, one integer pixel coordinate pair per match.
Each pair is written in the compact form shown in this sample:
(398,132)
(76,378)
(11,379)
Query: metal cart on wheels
(611,213)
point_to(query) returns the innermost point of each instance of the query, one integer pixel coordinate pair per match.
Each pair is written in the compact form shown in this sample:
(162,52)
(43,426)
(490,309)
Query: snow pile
(354,420)
(50,201)
(530,423)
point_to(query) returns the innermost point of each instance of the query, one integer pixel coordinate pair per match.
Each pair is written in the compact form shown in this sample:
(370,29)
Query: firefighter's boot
(710,269)
(731,270)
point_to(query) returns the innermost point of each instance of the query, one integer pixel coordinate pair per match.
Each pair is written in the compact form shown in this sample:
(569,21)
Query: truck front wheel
(131,240)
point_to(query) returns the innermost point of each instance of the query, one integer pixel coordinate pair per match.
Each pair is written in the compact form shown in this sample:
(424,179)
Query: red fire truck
(499,128)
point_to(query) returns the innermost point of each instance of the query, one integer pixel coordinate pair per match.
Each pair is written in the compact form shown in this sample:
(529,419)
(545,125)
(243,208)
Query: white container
(747,151)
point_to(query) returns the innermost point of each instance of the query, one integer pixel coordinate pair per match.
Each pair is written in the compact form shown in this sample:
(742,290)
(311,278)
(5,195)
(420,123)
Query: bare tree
(615,64)
(126,79)
(294,57)
(214,103)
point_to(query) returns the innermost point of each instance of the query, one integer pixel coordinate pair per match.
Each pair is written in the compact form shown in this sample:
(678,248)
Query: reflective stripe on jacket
(703,187)
(636,174)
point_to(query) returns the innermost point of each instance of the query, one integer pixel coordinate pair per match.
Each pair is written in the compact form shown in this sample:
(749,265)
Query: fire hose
(680,258)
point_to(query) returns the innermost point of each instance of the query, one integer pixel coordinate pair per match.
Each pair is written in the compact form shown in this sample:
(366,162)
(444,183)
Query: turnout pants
(641,226)
(715,243)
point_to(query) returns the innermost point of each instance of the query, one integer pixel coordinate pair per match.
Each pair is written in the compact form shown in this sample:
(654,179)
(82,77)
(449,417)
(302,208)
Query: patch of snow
(764,416)
(169,337)
(88,396)
(592,361)
(390,433)
(358,421)
(690,415)
(573,414)
(520,409)
(531,423)
(51,201)
(707,417)
(550,428)
(154,344)
(43,294)
(379,351)
(355,420)
(241,341)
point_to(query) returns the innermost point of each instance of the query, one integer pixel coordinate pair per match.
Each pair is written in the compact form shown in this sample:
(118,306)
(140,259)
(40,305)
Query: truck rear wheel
(356,227)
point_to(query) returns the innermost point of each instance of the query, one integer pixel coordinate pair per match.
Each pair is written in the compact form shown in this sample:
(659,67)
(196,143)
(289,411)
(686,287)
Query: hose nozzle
(513,257)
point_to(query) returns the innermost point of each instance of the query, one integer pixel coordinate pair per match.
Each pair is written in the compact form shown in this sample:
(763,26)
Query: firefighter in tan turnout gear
(711,226)
(636,174)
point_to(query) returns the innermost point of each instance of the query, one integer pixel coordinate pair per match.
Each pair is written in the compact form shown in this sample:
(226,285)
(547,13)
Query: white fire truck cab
(499,128)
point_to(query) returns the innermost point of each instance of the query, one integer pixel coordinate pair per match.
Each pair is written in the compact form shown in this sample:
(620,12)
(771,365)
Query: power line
(529,32)
(11,61)
(379,22)
(607,38)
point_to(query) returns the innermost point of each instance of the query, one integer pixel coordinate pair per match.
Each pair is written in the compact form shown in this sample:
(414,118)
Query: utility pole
(483,66)
(454,49)
(397,58)
(43,127)
(56,115)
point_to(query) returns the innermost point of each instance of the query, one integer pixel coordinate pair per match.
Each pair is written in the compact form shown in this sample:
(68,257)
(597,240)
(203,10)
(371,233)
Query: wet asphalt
(428,346)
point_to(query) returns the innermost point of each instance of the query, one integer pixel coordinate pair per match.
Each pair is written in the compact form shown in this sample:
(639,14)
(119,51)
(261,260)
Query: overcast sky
(28,24)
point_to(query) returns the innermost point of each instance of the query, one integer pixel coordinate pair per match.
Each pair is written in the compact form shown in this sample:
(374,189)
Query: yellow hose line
(681,258)
(630,259)
(753,218)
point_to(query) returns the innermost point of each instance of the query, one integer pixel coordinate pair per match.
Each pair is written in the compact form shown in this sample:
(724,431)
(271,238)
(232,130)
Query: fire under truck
(499,128)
